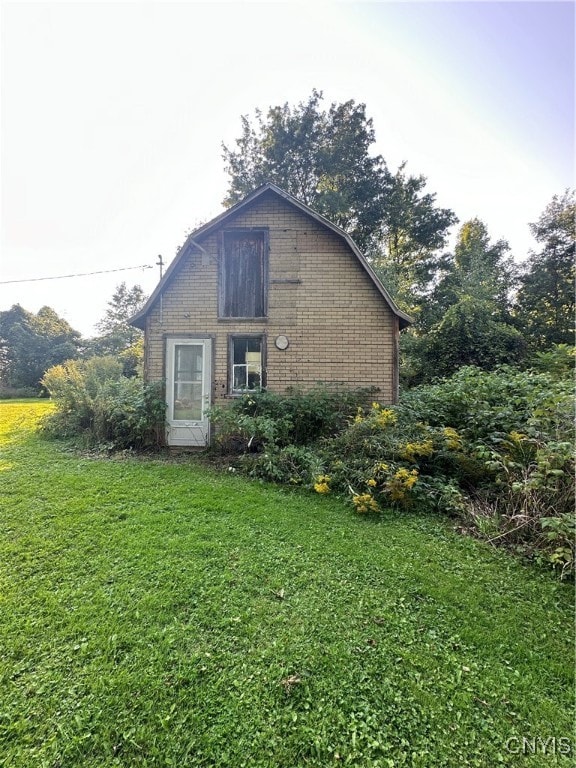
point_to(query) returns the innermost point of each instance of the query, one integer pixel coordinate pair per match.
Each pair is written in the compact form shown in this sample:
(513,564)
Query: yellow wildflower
(321,484)
(453,439)
(516,437)
(372,483)
(364,502)
(401,482)
(412,450)
(384,417)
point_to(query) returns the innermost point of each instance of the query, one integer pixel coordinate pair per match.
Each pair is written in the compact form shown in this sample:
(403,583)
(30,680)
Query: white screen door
(188,391)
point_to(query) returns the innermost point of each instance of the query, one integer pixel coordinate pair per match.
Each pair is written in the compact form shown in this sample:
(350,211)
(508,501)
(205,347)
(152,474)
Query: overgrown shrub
(505,464)
(263,419)
(129,414)
(493,448)
(488,405)
(291,464)
(73,386)
(100,406)
(396,460)
(558,360)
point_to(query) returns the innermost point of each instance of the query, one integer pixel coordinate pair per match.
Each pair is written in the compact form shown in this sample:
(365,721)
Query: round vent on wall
(282,342)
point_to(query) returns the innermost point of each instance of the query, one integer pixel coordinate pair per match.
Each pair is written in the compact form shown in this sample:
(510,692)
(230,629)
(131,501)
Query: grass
(155,613)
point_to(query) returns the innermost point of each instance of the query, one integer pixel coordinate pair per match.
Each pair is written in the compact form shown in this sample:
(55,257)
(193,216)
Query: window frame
(232,338)
(222,277)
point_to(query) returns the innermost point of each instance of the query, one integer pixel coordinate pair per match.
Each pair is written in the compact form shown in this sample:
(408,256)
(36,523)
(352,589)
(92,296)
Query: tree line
(31,343)
(473,305)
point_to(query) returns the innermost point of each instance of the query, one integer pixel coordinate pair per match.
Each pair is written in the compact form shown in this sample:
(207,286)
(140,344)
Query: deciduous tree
(31,343)
(407,253)
(545,304)
(466,319)
(117,336)
(322,157)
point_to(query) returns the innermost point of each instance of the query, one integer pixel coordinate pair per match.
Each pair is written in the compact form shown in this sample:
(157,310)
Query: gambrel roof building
(268,294)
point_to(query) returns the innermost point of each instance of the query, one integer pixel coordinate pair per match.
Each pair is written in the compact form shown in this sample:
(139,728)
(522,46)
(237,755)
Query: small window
(243,274)
(246,364)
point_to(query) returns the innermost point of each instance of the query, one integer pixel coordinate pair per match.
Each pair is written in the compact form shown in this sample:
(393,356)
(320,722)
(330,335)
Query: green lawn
(155,613)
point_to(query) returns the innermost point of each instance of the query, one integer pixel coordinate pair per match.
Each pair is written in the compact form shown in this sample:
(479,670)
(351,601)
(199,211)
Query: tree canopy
(466,319)
(325,159)
(117,337)
(31,343)
(464,303)
(545,305)
(407,253)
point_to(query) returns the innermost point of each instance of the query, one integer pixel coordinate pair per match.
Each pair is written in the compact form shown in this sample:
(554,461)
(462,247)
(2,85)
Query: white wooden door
(188,379)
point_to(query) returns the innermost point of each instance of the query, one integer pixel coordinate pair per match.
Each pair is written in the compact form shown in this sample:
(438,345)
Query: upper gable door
(243,273)
(188,386)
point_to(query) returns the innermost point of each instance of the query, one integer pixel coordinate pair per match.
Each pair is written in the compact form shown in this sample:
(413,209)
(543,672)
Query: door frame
(188,432)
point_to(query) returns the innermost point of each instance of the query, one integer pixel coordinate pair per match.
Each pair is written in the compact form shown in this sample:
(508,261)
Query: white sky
(113,115)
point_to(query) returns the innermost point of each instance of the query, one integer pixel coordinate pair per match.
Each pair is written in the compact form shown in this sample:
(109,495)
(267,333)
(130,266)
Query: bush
(559,360)
(129,414)
(492,448)
(483,405)
(291,465)
(257,421)
(385,458)
(73,386)
(96,403)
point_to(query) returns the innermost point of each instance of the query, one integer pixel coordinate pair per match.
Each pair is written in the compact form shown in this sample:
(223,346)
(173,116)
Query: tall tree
(116,335)
(322,157)
(30,344)
(407,252)
(467,318)
(412,224)
(545,302)
(478,268)
(325,159)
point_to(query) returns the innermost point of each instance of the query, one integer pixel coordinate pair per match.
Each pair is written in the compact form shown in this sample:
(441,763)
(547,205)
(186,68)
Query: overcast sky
(113,115)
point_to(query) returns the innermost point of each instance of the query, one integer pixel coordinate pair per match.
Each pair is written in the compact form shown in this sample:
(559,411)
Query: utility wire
(80,274)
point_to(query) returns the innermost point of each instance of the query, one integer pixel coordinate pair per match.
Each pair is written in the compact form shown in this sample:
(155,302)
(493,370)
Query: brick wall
(339,327)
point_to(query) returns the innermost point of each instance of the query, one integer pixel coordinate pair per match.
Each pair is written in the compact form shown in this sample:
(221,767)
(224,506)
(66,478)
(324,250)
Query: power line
(79,274)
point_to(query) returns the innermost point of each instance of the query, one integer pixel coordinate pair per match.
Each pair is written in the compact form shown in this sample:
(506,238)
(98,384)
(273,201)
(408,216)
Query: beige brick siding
(339,327)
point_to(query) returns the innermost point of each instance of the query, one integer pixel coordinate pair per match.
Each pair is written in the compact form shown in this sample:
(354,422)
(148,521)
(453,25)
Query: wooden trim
(230,355)
(265,231)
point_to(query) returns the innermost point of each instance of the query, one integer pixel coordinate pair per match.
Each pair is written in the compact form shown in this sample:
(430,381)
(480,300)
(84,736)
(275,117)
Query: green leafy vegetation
(291,419)
(99,406)
(546,302)
(155,612)
(326,159)
(29,344)
(478,305)
(491,448)
(117,337)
